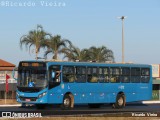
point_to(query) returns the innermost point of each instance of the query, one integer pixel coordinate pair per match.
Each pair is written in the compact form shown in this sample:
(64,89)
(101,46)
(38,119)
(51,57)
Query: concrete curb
(150,102)
(14,105)
(145,102)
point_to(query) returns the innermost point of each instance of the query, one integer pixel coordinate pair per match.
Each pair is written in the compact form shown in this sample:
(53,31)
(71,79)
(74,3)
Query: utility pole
(122,18)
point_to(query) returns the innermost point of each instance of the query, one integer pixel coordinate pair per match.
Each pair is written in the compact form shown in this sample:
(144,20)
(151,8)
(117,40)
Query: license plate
(28,100)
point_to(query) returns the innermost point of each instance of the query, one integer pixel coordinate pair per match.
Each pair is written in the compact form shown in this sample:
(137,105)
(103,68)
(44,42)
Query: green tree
(57,45)
(37,38)
(100,54)
(74,53)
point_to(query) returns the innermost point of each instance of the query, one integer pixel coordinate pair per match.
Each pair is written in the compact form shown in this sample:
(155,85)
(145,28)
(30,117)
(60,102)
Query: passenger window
(145,75)
(114,75)
(81,74)
(125,75)
(135,75)
(106,74)
(103,75)
(92,74)
(69,74)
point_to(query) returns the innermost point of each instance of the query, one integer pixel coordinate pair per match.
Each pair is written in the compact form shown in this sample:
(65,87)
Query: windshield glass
(32,77)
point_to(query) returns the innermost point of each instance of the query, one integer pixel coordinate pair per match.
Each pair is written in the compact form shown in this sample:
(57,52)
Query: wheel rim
(66,102)
(120,101)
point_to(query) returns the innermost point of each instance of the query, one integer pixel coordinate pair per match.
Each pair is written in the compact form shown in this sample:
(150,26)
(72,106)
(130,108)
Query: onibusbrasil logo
(20,115)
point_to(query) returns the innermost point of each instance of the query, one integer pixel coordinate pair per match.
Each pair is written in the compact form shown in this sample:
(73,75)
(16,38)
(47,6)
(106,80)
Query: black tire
(120,101)
(40,106)
(67,101)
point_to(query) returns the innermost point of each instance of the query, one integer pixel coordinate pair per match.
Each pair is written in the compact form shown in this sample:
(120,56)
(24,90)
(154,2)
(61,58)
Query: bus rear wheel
(120,101)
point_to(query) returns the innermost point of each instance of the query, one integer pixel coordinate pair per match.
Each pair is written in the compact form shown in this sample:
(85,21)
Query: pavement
(145,102)
(140,102)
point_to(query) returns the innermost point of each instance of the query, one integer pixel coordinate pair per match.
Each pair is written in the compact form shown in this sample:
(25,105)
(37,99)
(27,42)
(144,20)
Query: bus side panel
(138,92)
(92,92)
(144,91)
(55,95)
(83,92)
(100,92)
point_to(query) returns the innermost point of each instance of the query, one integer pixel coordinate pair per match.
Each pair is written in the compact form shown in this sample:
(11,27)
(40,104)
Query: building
(156,81)
(7,68)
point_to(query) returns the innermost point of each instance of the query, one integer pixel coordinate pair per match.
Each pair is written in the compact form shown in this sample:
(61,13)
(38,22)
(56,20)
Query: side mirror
(53,75)
(15,73)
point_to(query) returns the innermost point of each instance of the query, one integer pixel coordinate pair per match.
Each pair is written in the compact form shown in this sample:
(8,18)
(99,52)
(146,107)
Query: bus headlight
(42,94)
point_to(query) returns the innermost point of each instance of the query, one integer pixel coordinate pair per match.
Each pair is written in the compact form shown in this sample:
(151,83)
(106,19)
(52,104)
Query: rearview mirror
(53,74)
(15,73)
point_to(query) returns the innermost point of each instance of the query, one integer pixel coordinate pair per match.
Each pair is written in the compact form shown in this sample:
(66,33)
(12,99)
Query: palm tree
(74,53)
(57,45)
(100,54)
(35,38)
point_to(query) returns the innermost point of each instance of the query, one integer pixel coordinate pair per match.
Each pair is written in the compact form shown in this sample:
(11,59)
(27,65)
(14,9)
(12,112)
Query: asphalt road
(152,110)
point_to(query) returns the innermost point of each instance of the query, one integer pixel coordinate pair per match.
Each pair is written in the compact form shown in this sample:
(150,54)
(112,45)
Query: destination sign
(29,64)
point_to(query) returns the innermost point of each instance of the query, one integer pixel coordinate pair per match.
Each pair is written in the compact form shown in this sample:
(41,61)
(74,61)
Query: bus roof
(90,63)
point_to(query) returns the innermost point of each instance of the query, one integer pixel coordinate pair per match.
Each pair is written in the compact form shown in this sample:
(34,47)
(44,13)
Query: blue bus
(70,83)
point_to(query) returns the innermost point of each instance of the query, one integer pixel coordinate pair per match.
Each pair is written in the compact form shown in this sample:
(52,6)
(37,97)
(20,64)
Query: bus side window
(125,75)
(103,75)
(71,78)
(89,74)
(69,74)
(135,75)
(65,78)
(106,74)
(92,74)
(145,75)
(114,75)
(81,74)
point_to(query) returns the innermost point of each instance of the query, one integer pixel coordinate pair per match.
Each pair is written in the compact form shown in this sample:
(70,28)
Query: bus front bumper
(32,98)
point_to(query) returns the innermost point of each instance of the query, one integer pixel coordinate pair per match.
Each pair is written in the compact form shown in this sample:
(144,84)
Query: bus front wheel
(67,102)
(120,101)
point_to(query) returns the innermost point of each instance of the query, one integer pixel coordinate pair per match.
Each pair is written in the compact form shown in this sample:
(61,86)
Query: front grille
(28,99)
(29,89)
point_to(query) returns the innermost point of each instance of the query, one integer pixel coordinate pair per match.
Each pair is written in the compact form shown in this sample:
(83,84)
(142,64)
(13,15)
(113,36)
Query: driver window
(54,73)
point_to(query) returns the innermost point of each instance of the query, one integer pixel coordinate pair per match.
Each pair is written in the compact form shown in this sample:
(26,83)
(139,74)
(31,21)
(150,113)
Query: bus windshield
(32,76)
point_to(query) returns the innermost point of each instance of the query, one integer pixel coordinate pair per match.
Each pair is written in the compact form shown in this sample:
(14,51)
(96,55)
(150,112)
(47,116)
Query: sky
(85,23)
